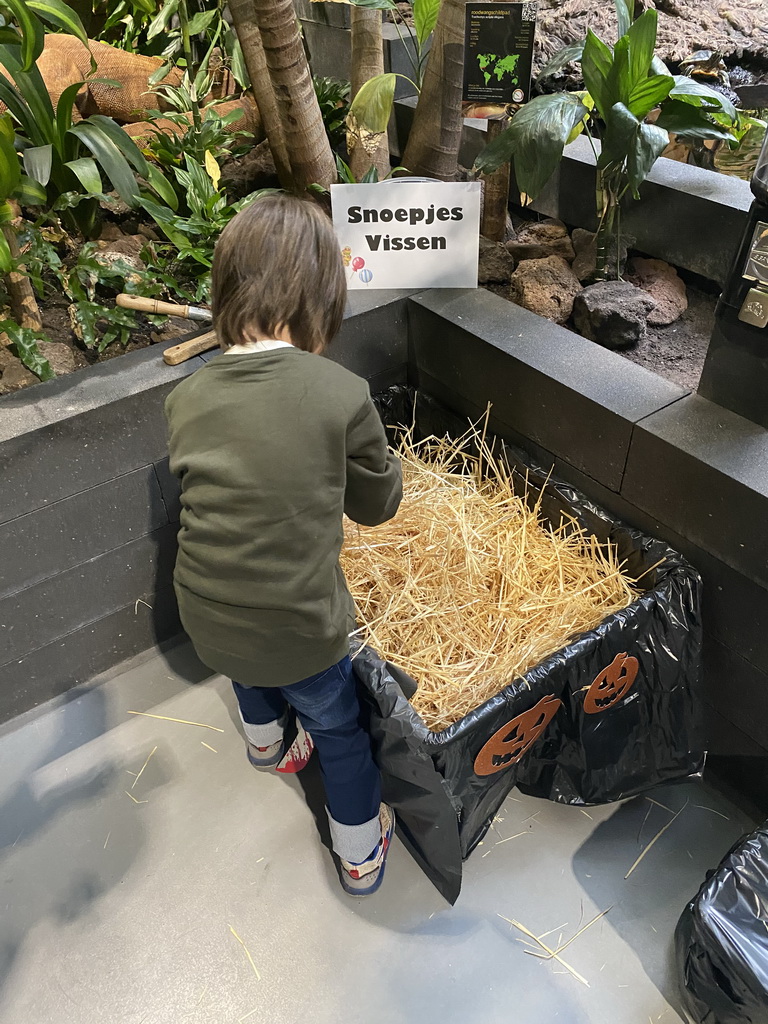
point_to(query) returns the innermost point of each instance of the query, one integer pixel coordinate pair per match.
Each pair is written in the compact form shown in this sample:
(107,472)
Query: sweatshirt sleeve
(374,478)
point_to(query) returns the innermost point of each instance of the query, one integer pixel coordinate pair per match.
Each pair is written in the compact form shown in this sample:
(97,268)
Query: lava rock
(60,356)
(585,263)
(660,280)
(13,373)
(538,240)
(546,286)
(495,264)
(612,313)
(126,251)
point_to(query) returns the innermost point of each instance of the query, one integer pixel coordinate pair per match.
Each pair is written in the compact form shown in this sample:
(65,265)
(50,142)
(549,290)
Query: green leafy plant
(57,154)
(346,177)
(333,97)
(192,237)
(638,102)
(123,24)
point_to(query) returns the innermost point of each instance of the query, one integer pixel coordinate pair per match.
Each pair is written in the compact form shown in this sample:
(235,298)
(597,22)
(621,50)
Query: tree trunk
(244,19)
(433,145)
(307,144)
(495,194)
(24,307)
(367,63)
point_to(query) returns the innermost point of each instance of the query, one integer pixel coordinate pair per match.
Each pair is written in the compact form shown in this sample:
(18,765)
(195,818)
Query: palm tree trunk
(306,142)
(495,194)
(367,63)
(433,145)
(244,20)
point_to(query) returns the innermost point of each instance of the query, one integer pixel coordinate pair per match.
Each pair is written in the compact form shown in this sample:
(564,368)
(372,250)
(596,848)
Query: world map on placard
(492,64)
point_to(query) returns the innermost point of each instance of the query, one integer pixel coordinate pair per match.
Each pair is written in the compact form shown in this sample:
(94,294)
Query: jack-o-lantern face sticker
(611,684)
(513,740)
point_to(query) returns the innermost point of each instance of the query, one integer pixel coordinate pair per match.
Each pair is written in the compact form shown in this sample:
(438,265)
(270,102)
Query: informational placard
(408,234)
(498,54)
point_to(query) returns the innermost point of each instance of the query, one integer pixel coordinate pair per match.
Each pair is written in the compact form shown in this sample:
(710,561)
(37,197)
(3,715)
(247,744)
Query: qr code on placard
(529,12)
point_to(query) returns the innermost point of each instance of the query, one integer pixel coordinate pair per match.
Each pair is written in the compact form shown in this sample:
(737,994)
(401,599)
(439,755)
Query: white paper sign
(408,234)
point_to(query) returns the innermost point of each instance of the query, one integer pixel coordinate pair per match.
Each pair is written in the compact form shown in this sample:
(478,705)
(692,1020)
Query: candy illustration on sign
(358,263)
(366,276)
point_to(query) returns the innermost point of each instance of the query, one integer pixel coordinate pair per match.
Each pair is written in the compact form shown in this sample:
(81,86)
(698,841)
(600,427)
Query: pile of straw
(466,588)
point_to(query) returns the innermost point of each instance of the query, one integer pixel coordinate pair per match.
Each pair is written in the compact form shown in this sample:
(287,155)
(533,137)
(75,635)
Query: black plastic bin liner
(722,939)
(611,715)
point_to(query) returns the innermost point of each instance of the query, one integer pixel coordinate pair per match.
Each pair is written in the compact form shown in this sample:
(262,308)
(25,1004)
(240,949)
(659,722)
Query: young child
(272,444)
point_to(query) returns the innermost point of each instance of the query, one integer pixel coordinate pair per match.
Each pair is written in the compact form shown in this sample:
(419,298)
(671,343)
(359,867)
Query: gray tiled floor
(117,911)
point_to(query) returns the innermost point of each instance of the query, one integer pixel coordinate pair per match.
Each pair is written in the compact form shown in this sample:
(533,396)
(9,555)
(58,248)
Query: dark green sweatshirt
(271,448)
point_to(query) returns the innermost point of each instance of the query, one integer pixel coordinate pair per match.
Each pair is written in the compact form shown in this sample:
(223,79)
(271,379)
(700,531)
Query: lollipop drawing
(366,276)
(358,263)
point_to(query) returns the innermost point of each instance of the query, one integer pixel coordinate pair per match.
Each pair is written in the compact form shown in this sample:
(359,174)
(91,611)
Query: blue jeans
(327,706)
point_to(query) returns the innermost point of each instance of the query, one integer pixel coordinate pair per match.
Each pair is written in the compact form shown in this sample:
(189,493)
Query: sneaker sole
(374,886)
(265,766)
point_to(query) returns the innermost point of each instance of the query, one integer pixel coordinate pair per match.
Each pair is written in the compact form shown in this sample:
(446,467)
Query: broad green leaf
(162,19)
(649,94)
(697,94)
(86,170)
(346,177)
(199,22)
(37,163)
(32,32)
(619,80)
(10,172)
(560,59)
(237,61)
(21,112)
(157,76)
(64,112)
(650,142)
(6,260)
(625,10)
(692,122)
(621,127)
(658,67)
(372,106)
(424,18)
(7,131)
(160,184)
(370,177)
(534,141)
(589,103)
(30,192)
(24,341)
(31,91)
(54,12)
(596,65)
(110,159)
(642,43)
(122,140)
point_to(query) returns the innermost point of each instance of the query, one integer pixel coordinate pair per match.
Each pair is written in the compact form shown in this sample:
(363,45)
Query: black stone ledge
(737,691)
(563,392)
(51,402)
(703,471)
(74,659)
(64,603)
(50,540)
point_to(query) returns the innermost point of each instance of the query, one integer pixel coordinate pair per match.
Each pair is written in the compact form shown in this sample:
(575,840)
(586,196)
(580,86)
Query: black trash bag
(609,716)
(722,939)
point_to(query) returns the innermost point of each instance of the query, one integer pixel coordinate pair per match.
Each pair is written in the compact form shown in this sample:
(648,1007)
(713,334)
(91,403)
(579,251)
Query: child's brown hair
(277,265)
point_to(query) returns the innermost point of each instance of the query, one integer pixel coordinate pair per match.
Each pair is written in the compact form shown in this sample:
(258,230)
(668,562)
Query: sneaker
(365,878)
(265,758)
(298,754)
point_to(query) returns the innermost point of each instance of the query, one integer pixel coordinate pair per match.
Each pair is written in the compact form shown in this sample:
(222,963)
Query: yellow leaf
(212,167)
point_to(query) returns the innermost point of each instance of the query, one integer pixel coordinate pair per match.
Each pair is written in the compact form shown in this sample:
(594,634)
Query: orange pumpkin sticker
(611,684)
(513,740)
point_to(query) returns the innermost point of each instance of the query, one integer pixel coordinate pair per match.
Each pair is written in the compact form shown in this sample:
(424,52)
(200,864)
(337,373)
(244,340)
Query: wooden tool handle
(187,349)
(153,306)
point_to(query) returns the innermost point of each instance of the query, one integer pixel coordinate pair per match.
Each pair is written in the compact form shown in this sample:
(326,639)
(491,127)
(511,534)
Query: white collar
(249,347)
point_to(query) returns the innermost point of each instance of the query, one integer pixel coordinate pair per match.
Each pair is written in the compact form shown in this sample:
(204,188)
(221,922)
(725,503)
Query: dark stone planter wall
(664,460)
(89,510)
